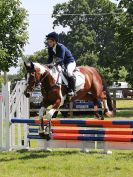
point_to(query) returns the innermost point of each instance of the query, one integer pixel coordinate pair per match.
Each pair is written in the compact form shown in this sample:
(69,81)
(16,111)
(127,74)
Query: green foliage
(13,34)
(39,56)
(1,81)
(122,74)
(88,58)
(91,37)
(125,38)
(103,41)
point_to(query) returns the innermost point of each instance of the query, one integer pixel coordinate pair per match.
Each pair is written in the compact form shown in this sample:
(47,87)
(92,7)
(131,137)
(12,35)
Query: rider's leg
(58,82)
(71,78)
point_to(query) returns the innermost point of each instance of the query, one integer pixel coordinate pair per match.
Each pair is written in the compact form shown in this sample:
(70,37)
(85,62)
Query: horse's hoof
(102,118)
(41,134)
(109,114)
(45,136)
(99,118)
(48,137)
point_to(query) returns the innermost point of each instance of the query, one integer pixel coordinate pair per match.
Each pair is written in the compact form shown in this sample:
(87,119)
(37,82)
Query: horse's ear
(32,65)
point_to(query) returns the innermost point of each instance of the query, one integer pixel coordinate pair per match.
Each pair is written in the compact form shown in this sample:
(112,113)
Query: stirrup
(71,93)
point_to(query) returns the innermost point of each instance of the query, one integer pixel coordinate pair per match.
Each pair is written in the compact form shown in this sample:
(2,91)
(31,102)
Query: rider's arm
(61,55)
(50,56)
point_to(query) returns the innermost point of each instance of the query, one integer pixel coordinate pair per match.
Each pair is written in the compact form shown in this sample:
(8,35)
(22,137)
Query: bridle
(34,74)
(28,85)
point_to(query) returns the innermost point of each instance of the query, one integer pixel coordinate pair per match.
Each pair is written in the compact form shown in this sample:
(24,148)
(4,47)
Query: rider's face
(51,43)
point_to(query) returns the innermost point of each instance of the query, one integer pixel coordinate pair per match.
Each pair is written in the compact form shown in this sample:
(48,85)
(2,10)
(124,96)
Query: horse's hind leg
(97,113)
(107,112)
(90,97)
(106,102)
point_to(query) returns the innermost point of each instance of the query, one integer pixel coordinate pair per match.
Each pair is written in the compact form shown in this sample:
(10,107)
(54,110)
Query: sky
(39,25)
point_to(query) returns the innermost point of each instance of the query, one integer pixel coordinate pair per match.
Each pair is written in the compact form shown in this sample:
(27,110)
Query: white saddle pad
(80,80)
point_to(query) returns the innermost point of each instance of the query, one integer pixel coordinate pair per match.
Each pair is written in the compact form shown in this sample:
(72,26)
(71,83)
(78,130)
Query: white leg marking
(50,114)
(108,113)
(105,105)
(41,111)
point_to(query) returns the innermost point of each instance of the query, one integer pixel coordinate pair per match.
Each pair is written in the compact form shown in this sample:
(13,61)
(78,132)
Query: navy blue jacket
(63,55)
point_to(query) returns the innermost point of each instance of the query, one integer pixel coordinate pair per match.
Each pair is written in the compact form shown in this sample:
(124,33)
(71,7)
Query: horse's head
(34,74)
(31,78)
(38,73)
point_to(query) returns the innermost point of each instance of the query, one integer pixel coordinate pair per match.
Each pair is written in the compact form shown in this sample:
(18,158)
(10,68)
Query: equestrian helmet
(53,35)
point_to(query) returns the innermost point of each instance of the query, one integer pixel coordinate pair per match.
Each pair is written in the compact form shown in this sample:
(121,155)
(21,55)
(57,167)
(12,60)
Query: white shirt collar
(54,48)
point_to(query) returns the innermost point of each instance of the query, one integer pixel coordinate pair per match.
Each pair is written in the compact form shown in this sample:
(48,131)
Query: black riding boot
(71,83)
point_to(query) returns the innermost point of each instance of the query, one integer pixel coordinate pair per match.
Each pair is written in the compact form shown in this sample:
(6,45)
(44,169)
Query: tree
(125,38)
(92,38)
(13,34)
(39,56)
(1,81)
(122,74)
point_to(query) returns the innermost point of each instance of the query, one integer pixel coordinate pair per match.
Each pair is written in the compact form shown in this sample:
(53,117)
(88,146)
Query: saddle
(62,76)
(80,78)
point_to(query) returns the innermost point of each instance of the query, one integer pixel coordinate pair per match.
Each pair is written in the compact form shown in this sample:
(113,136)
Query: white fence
(13,104)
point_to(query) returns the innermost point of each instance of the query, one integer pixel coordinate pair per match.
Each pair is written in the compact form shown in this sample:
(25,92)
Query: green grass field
(68,162)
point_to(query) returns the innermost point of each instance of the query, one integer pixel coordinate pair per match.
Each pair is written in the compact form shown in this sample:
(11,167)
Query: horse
(89,86)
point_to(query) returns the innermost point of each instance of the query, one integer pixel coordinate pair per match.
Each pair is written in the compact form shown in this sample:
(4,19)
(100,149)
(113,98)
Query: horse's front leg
(55,106)
(41,127)
(49,116)
(41,114)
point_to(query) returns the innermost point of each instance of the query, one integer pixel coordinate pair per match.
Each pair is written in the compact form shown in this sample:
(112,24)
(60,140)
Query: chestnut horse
(89,86)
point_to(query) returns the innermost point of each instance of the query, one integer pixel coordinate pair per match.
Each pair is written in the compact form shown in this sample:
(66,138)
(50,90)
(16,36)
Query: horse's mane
(43,68)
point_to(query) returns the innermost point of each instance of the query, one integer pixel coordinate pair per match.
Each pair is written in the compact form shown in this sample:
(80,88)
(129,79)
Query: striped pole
(79,137)
(77,130)
(80,123)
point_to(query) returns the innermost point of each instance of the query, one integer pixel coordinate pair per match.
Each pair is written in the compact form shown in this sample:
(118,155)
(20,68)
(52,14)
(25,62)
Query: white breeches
(70,68)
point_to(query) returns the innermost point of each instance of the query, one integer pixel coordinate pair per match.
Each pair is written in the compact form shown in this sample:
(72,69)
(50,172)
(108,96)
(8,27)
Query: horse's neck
(48,81)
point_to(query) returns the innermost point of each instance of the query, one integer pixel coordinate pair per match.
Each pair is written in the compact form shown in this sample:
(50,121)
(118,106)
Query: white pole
(7,116)
(1,121)
(26,115)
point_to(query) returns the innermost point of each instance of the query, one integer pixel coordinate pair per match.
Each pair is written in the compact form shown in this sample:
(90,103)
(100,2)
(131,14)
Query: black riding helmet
(53,35)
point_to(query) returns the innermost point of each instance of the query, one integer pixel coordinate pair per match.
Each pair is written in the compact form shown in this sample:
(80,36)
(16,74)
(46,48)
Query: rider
(64,57)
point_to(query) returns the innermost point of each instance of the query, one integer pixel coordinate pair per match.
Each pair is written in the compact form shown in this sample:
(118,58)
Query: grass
(124,103)
(68,163)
